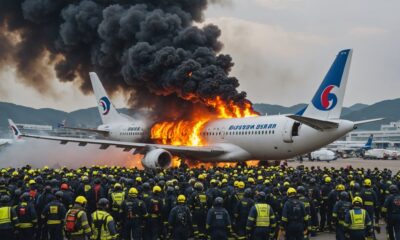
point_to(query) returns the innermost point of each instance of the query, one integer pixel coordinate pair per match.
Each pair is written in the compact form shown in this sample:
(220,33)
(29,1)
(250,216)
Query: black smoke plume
(150,49)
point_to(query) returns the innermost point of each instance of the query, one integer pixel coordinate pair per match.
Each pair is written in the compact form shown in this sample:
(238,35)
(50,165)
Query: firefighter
(116,199)
(68,196)
(241,213)
(261,220)
(357,221)
(326,188)
(199,207)
(76,223)
(294,217)
(301,192)
(103,224)
(27,217)
(8,219)
(218,222)
(314,194)
(154,224)
(53,215)
(133,213)
(180,220)
(338,214)
(370,198)
(391,212)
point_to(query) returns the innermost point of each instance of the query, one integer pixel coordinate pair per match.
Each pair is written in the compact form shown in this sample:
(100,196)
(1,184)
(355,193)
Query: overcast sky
(282,50)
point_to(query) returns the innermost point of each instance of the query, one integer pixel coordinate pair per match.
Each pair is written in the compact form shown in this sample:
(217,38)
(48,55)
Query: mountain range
(388,109)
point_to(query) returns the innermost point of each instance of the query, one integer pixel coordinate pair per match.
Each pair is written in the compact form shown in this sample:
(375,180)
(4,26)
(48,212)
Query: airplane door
(287,131)
(223,133)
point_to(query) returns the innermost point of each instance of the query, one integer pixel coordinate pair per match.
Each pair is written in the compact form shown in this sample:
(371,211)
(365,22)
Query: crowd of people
(198,203)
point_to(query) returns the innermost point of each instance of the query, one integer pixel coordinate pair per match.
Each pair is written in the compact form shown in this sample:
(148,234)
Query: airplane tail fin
(16,132)
(368,144)
(328,100)
(108,112)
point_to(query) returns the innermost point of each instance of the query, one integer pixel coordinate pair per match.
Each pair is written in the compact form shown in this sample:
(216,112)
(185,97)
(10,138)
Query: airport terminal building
(387,137)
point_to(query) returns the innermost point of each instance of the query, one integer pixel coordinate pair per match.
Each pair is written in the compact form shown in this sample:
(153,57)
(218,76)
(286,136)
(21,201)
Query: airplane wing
(127,146)
(317,124)
(102,132)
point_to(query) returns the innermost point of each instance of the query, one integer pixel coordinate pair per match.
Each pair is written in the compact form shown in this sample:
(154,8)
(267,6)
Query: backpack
(155,206)
(22,210)
(71,221)
(296,213)
(181,216)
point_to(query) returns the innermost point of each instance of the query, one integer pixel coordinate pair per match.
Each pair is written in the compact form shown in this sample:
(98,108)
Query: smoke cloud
(151,49)
(39,153)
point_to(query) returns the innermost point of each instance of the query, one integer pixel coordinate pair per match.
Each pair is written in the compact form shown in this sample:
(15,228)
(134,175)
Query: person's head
(133,192)
(198,186)
(301,190)
(81,200)
(181,199)
(367,183)
(248,193)
(156,190)
(25,197)
(291,192)
(59,195)
(218,202)
(261,197)
(5,199)
(344,196)
(103,204)
(357,202)
(393,189)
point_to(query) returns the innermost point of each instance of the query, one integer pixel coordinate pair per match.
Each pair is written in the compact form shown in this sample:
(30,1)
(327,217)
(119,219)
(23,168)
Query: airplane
(16,135)
(351,145)
(263,138)
(323,154)
(115,125)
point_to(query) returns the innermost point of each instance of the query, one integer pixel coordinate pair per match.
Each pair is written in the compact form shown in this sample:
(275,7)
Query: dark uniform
(218,222)
(133,214)
(261,222)
(154,224)
(241,213)
(294,218)
(339,212)
(53,215)
(180,221)
(391,211)
(8,219)
(199,206)
(27,218)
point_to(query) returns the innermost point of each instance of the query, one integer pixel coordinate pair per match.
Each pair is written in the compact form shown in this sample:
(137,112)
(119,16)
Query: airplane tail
(16,132)
(368,144)
(328,100)
(108,112)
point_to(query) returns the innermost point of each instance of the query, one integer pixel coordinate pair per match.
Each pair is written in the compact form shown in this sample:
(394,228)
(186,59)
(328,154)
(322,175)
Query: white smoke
(40,153)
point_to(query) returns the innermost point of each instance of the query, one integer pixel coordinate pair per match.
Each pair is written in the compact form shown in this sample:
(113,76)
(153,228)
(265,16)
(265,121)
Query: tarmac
(393,165)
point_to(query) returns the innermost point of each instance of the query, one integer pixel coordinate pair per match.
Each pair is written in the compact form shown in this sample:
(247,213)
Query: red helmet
(64,186)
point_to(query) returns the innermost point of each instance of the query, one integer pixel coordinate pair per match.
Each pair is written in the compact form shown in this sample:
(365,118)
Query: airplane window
(273,131)
(269,131)
(262,132)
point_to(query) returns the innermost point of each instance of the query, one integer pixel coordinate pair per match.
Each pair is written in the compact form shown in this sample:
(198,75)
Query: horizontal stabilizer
(317,124)
(356,124)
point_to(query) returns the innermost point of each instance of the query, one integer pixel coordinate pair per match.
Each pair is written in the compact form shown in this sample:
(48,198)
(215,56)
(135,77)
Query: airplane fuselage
(267,137)
(126,131)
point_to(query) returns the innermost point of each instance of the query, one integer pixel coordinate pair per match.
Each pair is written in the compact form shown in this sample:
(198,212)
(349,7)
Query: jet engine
(157,158)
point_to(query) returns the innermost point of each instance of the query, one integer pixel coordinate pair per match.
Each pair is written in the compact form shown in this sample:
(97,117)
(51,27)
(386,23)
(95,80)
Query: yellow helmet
(328,179)
(181,198)
(250,180)
(357,200)
(236,183)
(367,182)
(133,192)
(241,184)
(31,182)
(14,174)
(117,185)
(286,184)
(340,187)
(81,200)
(291,192)
(138,179)
(352,183)
(224,180)
(267,181)
(260,178)
(156,189)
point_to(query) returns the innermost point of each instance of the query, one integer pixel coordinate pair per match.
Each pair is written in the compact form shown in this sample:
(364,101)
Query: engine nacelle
(157,158)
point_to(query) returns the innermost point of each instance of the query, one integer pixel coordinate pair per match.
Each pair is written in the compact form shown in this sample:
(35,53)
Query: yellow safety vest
(105,218)
(263,210)
(357,220)
(5,215)
(117,199)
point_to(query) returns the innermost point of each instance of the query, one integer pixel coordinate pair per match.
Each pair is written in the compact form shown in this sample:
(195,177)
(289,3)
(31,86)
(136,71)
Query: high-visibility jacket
(8,218)
(357,219)
(103,226)
(261,215)
(117,199)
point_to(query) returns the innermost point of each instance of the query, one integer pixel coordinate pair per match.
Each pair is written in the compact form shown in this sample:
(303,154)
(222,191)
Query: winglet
(16,132)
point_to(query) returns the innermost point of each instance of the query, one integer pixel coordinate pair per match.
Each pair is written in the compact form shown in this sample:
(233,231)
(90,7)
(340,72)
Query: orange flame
(187,132)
